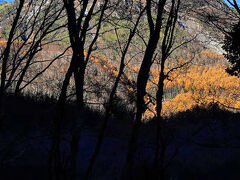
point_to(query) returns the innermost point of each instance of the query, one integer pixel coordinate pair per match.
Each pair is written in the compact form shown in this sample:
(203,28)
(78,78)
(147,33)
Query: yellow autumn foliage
(188,86)
(207,84)
(196,85)
(185,87)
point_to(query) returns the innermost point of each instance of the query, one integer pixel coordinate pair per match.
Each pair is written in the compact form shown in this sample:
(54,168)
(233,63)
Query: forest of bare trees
(78,74)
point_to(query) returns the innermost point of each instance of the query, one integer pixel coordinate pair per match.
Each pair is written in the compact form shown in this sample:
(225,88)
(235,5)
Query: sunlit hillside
(119,90)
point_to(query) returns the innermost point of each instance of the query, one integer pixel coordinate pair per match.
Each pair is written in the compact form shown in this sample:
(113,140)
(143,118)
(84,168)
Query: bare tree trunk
(142,79)
(7,49)
(6,54)
(111,99)
(78,27)
(160,137)
(76,134)
(55,164)
(166,45)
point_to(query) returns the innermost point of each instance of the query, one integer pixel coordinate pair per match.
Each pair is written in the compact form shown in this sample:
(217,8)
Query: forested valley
(120,89)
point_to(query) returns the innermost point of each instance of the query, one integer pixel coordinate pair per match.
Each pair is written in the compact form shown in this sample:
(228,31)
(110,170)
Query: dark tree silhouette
(111,96)
(235,5)
(232,48)
(4,57)
(166,45)
(78,27)
(143,76)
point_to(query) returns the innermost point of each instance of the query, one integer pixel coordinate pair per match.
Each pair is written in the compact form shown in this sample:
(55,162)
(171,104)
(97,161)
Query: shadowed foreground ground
(213,152)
